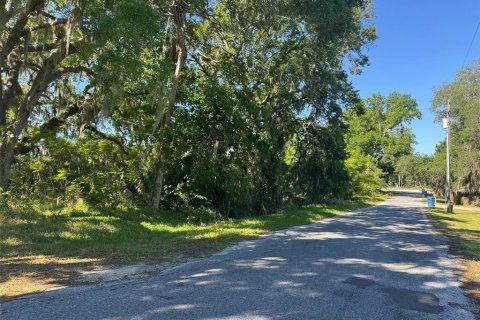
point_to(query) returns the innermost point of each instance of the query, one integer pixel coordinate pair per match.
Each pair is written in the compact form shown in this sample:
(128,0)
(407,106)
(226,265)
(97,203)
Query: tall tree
(379,128)
(462,96)
(277,67)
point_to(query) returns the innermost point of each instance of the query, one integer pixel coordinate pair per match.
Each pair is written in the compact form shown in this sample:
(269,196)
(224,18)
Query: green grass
(463,229)
(463,224)
(44,249)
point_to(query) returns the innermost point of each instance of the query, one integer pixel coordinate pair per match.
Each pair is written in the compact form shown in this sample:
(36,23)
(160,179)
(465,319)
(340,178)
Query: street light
(446,126)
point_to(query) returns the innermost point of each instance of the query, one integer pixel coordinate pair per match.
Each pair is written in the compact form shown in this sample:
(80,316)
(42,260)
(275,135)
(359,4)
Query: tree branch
(49,47)
(48,15)
(105,136)
(46,25)
(50,127)
(77,69)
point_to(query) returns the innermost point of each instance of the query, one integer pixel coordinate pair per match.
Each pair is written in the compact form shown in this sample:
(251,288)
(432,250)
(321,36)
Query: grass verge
(42,250)
(463,231)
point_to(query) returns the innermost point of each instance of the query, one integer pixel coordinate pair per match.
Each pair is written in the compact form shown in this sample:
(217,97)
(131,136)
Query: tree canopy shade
(231,105)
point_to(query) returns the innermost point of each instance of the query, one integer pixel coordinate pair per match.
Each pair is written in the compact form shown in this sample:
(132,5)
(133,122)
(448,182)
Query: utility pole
(446,125)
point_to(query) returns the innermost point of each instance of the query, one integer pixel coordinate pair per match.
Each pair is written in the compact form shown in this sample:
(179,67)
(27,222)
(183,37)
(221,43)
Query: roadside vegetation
(165,104)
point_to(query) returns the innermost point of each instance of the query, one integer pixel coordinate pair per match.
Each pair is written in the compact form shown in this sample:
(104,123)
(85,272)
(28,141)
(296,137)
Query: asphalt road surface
(384,262)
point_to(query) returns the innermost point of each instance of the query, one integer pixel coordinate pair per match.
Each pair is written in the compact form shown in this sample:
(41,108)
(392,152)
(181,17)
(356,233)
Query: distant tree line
(463,97)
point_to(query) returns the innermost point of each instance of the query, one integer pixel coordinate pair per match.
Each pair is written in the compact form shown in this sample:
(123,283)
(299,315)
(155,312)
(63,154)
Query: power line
(471,45)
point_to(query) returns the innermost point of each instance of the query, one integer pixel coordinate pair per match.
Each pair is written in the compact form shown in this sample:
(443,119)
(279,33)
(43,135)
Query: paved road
(384,262)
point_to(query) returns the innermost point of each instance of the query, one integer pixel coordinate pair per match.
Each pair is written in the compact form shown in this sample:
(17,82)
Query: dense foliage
(235,106)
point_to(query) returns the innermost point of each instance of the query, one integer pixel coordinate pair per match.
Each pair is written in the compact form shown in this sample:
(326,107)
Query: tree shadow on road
(332,269)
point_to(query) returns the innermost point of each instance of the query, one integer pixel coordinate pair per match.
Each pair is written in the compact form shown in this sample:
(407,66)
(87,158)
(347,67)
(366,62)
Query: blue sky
(422,44)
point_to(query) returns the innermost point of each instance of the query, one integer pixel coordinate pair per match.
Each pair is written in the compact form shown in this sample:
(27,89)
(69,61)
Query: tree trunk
(158,184)
(6,158)
(159,175)
(178,12)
